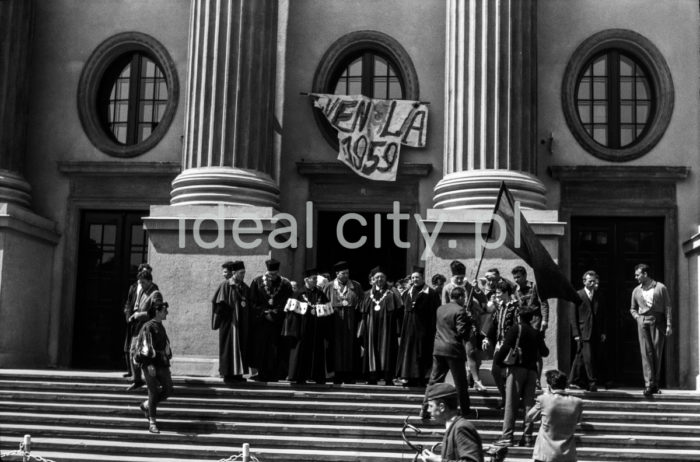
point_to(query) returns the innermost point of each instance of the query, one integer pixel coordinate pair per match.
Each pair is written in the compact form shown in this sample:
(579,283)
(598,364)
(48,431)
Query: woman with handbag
(519,353)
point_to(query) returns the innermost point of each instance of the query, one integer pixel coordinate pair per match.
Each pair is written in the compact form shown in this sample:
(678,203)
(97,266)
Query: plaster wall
(66,33)
(666,25)
(313,26)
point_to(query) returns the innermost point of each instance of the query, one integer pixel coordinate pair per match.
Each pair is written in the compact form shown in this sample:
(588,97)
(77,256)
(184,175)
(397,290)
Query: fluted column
(16,22)
(490,104)
(228,144)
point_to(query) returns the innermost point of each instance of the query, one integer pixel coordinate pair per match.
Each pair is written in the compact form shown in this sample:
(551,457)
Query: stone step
(208,409)
(172,451)
(250,424)
(115,378)
(346,437)
(302,413)
(601,400)
(89,416)
(318,400)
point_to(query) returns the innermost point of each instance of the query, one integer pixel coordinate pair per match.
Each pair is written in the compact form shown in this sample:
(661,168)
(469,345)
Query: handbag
(514,356)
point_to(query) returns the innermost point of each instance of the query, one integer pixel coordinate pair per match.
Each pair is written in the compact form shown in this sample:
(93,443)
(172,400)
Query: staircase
(87,416)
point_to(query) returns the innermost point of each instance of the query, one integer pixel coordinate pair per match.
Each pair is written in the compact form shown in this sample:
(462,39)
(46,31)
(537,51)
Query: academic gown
(379,331)
(267,319)
(415,357)
(307,339)
(231,316)
(344,345)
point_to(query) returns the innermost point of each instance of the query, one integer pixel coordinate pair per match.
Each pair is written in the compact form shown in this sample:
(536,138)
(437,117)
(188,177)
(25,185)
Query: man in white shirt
(651,308)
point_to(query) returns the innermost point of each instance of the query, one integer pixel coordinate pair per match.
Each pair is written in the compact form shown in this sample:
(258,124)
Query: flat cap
(440,390)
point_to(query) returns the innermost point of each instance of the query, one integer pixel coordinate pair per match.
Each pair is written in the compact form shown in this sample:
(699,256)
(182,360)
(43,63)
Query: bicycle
(496,453)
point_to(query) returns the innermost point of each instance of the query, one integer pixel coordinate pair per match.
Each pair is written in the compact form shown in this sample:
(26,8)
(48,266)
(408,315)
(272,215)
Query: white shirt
(648,296)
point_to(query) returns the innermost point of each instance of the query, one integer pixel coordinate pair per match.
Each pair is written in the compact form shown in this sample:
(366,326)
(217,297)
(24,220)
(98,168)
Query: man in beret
(230,315)
(461,441)
(417,330)
(345,296)
(268,297)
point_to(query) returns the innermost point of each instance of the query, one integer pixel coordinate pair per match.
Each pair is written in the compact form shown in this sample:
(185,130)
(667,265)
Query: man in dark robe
(380,329)
(308,324)
(268,297)
(230,315)
(415,358)
(345,296)
(134,291)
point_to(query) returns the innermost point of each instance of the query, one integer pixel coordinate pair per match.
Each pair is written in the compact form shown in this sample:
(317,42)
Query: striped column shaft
(490,102)
(16,24)
(228,144)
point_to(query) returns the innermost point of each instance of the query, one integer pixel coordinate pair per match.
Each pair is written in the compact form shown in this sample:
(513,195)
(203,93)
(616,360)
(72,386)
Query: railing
(25,448)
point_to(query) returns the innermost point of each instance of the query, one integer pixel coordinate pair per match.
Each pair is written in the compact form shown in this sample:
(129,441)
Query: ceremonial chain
(266,287)
(377,303)
(237,288)
(342,294)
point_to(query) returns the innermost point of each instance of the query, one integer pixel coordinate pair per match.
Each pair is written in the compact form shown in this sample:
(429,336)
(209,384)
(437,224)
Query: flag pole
(488,236)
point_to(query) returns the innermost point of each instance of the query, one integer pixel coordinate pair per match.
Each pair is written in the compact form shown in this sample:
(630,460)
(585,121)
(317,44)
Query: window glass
(613,99)
(371,75)
(138,98)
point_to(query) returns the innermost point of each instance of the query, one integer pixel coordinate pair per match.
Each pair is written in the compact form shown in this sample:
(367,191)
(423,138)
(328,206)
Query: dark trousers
(159,386)
(499,378)
(583,369)
(520,384)
(442,364)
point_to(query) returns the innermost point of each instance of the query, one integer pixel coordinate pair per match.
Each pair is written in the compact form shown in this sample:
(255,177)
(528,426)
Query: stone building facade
(158,130)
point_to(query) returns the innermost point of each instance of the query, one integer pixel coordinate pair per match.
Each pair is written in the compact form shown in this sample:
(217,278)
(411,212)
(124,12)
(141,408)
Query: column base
(224,185)
(479,189)
(27,243)
(14,189)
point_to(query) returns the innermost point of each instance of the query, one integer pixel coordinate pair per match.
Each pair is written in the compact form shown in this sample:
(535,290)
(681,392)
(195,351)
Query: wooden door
(612,246)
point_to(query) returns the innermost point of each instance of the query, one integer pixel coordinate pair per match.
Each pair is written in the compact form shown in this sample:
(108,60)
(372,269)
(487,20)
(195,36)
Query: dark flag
(551,282)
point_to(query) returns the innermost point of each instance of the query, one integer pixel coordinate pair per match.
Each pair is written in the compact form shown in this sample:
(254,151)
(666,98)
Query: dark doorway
(366,257)
(612,246)
(112,245)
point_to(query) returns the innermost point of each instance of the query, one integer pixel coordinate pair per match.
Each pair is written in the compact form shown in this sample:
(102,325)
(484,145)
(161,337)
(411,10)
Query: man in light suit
(588,330)
(560,413)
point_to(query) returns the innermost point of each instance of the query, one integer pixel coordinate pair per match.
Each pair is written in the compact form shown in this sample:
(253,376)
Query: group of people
(317,333)
(651,310)
(413,336)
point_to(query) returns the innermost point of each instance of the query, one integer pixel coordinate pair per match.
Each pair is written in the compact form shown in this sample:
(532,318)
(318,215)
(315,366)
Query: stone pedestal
(27,244)
(187,245)
(691,248)
(456,241)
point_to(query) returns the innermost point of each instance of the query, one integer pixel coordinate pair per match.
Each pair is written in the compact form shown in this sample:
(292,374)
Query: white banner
(371,131)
